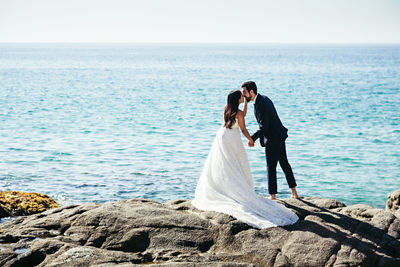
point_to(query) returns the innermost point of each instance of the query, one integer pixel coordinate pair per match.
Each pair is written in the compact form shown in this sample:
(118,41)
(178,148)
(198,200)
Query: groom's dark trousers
(272,136)
(274,152)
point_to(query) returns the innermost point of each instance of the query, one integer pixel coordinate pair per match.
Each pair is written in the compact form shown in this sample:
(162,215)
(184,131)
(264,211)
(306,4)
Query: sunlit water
(89,122)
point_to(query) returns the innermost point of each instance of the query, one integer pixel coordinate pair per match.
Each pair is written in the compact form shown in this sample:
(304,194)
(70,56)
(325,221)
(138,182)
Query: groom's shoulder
(265,98)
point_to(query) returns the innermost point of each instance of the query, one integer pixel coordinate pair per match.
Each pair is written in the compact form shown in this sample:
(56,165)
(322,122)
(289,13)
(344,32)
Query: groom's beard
(248,98)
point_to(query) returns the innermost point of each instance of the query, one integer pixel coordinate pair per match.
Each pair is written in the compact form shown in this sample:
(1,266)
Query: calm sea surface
(97,123)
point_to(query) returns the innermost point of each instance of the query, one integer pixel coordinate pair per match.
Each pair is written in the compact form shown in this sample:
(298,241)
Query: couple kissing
(226,184)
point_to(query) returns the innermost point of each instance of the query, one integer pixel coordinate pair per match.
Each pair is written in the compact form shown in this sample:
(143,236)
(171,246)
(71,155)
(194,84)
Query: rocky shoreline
(138,231)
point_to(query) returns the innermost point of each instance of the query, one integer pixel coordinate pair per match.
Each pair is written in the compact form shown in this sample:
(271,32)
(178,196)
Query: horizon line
(244,43)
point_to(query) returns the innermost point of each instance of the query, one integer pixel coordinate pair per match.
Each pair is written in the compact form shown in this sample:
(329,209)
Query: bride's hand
(251,143)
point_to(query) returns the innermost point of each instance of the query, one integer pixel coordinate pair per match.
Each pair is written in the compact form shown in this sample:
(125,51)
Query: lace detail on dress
(234,126)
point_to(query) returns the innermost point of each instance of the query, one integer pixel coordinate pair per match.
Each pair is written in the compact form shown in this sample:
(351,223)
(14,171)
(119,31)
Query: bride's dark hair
(231,108)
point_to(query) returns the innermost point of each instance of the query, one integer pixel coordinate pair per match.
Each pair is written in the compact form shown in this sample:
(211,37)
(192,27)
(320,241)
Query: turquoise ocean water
(104,122)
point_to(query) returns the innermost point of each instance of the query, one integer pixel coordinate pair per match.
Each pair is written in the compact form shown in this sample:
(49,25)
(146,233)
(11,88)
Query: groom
(272,136)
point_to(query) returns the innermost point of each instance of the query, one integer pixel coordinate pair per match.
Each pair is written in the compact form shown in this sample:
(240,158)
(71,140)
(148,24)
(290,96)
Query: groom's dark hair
(250,86)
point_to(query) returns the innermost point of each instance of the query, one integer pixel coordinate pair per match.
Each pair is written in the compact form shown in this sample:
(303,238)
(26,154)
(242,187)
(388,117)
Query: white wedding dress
(226,185)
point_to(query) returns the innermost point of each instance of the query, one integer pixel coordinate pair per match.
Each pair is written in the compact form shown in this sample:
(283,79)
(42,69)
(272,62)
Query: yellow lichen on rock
(22,203)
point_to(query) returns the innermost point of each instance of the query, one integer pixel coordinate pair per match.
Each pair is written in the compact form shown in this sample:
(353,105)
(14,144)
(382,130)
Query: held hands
(251,143)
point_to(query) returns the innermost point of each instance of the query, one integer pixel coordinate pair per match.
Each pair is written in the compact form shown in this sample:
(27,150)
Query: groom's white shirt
(255,99)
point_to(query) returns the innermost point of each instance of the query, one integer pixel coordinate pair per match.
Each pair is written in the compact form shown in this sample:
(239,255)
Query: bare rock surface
(393,203)
(137,231)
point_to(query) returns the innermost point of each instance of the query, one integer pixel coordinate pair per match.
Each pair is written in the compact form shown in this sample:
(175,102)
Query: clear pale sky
(247,21)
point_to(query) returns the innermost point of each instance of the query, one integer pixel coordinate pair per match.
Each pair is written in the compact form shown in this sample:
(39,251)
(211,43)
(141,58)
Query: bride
(226,184)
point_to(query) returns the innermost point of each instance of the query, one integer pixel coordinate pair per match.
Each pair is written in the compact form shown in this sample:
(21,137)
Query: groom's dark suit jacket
(270,125)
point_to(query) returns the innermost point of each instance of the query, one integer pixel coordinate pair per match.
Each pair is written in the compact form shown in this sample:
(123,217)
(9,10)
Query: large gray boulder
(137,231)
(393,203)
